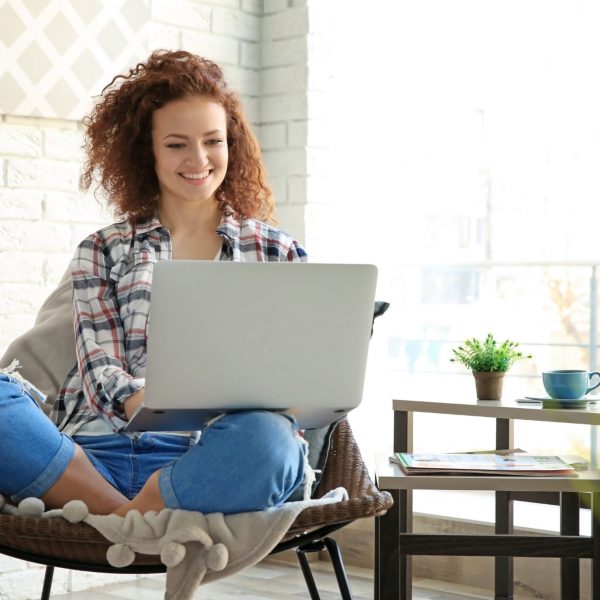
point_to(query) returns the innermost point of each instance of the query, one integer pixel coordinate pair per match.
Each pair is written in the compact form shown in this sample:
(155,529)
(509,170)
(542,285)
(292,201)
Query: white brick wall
(266,48)
(19,140)
(284,57)
(265,55)
(294,113)
(43,215)
(42,163)
(181,13)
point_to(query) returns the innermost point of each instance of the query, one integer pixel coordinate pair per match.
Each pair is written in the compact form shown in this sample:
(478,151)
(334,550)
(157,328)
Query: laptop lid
(230,335)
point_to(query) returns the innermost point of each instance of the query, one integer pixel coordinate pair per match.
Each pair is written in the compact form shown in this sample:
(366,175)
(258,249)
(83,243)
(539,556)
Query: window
(463,157)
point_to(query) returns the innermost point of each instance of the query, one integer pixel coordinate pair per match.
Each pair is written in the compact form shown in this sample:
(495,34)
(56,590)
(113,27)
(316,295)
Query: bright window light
(464,144)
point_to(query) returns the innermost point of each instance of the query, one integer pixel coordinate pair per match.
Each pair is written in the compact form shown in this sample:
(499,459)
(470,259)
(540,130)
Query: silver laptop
(226,336)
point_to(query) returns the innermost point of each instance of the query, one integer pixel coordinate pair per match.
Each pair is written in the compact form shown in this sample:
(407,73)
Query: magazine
(498,463)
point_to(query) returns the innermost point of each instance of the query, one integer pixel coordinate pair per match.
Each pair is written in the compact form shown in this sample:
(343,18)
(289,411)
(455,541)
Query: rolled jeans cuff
(165,486)
(51,474)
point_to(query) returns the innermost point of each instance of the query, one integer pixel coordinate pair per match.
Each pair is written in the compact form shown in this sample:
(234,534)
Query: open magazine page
(518,463)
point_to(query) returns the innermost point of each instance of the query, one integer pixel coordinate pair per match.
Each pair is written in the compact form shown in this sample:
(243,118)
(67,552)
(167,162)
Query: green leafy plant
(488,356)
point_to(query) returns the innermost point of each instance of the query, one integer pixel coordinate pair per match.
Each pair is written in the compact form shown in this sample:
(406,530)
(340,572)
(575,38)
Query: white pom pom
(31,507)
(75,511)
(217,557)
(8,509)
(119,555)
(172,554)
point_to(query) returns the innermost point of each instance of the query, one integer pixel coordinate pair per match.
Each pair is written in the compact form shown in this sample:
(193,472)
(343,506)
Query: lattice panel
(56,55)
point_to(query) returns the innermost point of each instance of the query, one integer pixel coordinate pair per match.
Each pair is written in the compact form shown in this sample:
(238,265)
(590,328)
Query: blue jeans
(245,461)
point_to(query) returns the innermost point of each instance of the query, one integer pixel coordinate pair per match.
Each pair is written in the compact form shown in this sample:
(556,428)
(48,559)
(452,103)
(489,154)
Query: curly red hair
(119,137)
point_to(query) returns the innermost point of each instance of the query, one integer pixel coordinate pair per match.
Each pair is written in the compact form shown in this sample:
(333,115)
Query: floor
(271,581)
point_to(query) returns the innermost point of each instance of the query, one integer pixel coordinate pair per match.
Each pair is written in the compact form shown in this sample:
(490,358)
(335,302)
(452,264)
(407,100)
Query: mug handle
(594,386)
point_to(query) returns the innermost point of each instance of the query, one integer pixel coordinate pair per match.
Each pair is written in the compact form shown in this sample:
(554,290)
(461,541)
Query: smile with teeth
(195,175)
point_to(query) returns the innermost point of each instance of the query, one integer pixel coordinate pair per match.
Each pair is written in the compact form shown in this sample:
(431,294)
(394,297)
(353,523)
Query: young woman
(177,160)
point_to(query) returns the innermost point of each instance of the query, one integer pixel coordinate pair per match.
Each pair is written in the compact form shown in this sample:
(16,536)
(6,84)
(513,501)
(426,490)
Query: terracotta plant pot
(488,385)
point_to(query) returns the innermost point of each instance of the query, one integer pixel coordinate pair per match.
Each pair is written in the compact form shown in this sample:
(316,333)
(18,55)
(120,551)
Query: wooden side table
(395,543)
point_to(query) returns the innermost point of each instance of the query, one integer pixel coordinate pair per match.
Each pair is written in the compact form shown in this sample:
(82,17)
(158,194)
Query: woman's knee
(244,462)
(34,453)
(260,437)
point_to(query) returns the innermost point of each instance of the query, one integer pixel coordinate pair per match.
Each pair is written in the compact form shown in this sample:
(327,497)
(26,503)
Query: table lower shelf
(391,477)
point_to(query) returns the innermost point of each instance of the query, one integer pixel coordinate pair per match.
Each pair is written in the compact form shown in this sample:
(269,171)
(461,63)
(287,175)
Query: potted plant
(488,362)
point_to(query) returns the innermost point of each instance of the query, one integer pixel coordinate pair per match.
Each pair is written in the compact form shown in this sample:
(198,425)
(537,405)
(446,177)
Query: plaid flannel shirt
(112,279)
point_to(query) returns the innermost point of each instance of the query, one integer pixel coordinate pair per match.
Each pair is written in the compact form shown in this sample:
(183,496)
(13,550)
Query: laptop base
(186,419)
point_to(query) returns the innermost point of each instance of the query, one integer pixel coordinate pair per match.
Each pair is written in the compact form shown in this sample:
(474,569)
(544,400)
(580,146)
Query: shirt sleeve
(296,253)
(99,334)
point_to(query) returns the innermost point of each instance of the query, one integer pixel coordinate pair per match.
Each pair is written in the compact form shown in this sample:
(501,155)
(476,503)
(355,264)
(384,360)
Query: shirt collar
(147,226)
(229,227)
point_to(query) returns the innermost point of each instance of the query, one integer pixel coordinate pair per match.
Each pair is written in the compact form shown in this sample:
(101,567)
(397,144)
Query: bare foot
(148,499)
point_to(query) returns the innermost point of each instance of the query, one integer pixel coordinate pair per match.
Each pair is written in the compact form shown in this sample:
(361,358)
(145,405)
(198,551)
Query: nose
(197,155)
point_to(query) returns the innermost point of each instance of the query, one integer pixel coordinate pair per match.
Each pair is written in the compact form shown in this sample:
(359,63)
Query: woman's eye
(175,145)
(215,141)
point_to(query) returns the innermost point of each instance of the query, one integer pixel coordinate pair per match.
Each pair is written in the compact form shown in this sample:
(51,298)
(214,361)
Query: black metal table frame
(395,543)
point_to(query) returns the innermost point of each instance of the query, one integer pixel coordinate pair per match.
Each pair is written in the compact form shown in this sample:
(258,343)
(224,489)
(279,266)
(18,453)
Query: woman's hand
(131,404)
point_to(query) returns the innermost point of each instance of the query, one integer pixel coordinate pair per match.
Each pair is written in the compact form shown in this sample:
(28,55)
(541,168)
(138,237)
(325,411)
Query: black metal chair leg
(338,567)
(306,571)
(47,583)
(336,560)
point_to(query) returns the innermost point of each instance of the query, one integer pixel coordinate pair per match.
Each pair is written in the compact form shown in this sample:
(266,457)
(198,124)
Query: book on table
(484,463)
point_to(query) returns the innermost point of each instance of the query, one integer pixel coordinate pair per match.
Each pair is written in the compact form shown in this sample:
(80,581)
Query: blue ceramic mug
(569,384)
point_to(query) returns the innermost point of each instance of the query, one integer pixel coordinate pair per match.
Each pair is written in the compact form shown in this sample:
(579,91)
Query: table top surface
(501,409)
(391,477)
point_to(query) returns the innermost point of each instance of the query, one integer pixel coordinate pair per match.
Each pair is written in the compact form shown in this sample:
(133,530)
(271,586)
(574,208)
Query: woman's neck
(190,220)
(192,229)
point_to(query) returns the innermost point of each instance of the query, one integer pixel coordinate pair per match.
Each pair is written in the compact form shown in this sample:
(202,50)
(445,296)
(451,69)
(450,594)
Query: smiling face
(189,142)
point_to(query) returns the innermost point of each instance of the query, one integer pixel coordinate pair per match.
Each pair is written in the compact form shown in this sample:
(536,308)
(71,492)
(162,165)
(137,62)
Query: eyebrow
(185,137)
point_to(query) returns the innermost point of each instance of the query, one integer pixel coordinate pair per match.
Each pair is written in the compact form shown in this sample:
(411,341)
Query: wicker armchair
(56,543)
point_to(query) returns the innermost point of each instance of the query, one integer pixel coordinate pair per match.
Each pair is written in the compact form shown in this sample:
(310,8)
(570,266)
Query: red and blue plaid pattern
(112,280)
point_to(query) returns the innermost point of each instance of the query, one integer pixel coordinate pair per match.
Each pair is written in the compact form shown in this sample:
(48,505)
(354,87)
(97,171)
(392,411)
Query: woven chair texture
(55,538)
